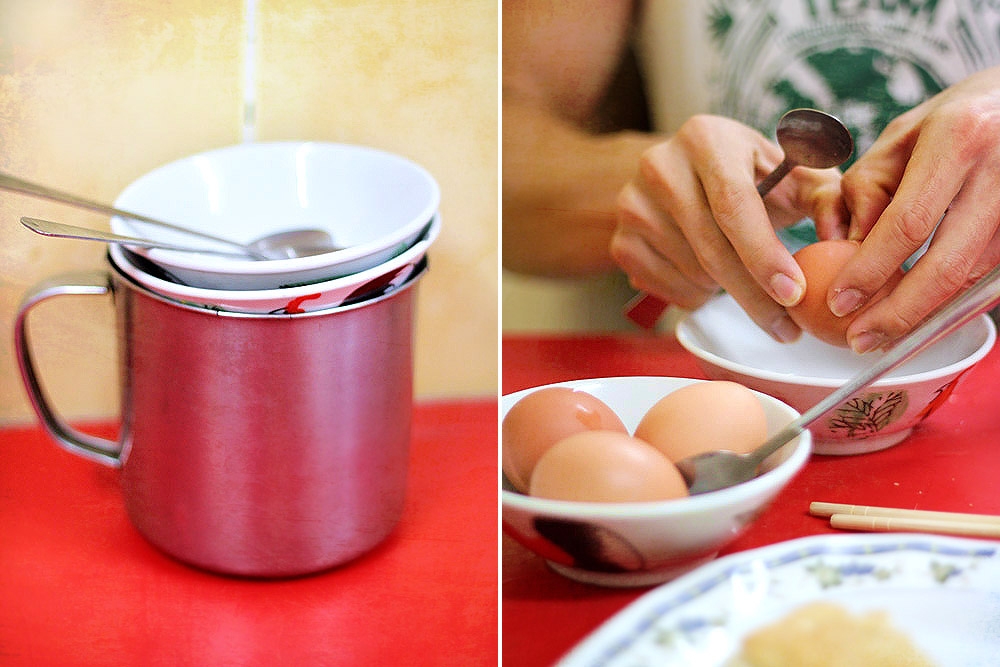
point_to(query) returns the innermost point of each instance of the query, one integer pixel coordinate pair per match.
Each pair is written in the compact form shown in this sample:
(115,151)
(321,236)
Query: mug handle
(101,450)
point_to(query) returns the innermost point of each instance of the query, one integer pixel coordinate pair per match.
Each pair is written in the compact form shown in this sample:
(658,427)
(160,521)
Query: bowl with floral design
(729,346)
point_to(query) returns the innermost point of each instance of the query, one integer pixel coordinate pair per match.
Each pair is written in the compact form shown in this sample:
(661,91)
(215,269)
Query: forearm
(560,184)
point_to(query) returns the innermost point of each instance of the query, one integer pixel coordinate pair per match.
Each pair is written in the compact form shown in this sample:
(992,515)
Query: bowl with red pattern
(287,299)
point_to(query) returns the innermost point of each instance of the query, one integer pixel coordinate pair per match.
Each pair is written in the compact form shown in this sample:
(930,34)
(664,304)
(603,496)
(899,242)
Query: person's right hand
(691,221)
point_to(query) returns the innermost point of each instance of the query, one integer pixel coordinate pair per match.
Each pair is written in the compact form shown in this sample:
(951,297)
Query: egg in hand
(820,263)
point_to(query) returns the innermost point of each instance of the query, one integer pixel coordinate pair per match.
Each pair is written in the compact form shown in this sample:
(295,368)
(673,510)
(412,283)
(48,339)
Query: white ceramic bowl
(322,295)
(374,204)
(729,346)
(641,544)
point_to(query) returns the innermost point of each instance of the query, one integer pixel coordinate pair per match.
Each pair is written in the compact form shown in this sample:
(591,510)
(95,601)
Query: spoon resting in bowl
(280,245)
(719,469)
(269,247)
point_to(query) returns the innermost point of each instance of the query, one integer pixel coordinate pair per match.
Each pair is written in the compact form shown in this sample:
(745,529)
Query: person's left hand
(934,167)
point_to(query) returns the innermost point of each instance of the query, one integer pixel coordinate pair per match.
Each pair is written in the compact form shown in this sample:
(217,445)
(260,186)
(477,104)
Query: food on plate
(605,466)
(541,419)
(824,634)
(821,262)
(705,416)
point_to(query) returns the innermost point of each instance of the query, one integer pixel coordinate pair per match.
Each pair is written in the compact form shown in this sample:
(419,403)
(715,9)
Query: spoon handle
(15,184)
(58,229)
(772,179)
(950,316)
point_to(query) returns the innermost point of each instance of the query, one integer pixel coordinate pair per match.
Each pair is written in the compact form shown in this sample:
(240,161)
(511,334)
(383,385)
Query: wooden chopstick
(889,524)
(888,519)
(829,509)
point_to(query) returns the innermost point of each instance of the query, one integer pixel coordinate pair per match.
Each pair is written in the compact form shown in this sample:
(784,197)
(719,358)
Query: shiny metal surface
(61,230)
(280,245)
(261,445)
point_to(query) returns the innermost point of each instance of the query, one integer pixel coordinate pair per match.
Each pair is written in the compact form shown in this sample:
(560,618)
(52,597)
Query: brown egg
(608,467)
(543,418)
(702,417)
(820,262)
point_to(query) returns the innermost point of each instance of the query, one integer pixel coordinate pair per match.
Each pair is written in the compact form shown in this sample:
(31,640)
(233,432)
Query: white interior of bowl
(630,398)
(721,333)
(368,200)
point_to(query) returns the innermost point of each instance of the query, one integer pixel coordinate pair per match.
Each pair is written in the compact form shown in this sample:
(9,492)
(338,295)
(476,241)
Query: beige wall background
(531,304)
(93,93)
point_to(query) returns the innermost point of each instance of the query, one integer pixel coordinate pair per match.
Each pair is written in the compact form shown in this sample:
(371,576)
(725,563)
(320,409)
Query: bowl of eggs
(589,480)
(729,346)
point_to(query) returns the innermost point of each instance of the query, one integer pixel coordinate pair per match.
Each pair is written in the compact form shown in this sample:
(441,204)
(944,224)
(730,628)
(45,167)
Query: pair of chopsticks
(891,519)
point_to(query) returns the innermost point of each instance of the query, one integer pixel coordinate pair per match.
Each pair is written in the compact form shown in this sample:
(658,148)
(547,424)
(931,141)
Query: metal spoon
(282,245)
(58,229)
(809,138)
(719,469)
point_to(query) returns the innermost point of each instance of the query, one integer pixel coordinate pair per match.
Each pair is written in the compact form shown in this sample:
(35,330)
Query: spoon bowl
(809,138)
(294,243)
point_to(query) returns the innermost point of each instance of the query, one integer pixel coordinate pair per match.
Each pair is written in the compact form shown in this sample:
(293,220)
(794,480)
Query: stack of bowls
(380,210)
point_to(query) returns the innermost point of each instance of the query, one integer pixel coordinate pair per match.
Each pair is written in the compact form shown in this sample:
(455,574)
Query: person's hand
(691,221)
(937,163)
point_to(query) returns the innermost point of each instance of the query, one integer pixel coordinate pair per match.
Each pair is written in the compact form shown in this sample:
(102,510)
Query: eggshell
(821,262)
(704,416)
(605,466)
(543,418)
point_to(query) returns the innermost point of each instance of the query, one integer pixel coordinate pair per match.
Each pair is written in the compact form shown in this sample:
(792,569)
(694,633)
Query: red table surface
(950,463)
(79,586)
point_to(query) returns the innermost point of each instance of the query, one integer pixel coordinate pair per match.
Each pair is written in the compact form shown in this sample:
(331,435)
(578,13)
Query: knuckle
(914,224)
(859,178)
(712,252)
(730,203)
(650,168)
(621,249)
(696,129)
(971,125)
(628,210)
(906,318)
(949,273)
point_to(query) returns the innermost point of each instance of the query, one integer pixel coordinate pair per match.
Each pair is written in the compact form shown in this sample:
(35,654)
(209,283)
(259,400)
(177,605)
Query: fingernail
(786,290)
(846,301)
(866,341)
(784,330)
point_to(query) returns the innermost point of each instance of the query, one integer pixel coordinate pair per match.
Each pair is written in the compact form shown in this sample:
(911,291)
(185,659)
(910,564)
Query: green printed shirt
(864,61)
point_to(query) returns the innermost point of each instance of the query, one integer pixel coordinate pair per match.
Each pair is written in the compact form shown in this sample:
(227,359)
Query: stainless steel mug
(255,445)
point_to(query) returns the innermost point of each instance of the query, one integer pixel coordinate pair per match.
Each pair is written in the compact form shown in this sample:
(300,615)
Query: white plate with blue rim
(943,593)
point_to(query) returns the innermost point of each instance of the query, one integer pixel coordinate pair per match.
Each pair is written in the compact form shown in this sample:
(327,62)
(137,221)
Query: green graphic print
(864,61)
(858,78)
